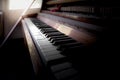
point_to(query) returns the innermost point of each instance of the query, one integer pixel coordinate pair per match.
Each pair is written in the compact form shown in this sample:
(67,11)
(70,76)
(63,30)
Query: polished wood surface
(32,50)
(62,1)
(83,18)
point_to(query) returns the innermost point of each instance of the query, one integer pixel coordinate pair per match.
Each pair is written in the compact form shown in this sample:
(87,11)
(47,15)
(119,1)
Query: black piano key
(50,28)
(42,29)
(35,20)
(42,26)
(63,42)
(61,38)
(63,46)
(48,31)
(53,34)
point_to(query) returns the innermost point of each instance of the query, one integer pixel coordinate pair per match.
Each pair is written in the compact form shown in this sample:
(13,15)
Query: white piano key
(48,53)
(39,37)
(60,67)
(53,57)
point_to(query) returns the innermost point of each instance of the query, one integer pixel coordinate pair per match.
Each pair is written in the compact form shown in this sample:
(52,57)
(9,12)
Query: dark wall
(0,4)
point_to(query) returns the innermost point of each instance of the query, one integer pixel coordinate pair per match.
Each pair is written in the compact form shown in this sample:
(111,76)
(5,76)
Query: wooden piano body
(84,21)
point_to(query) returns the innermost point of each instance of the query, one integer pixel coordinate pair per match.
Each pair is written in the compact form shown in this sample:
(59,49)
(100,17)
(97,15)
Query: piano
(62,38)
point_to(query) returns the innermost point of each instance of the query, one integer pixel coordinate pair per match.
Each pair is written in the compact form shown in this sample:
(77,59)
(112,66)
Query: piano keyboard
(54,48)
